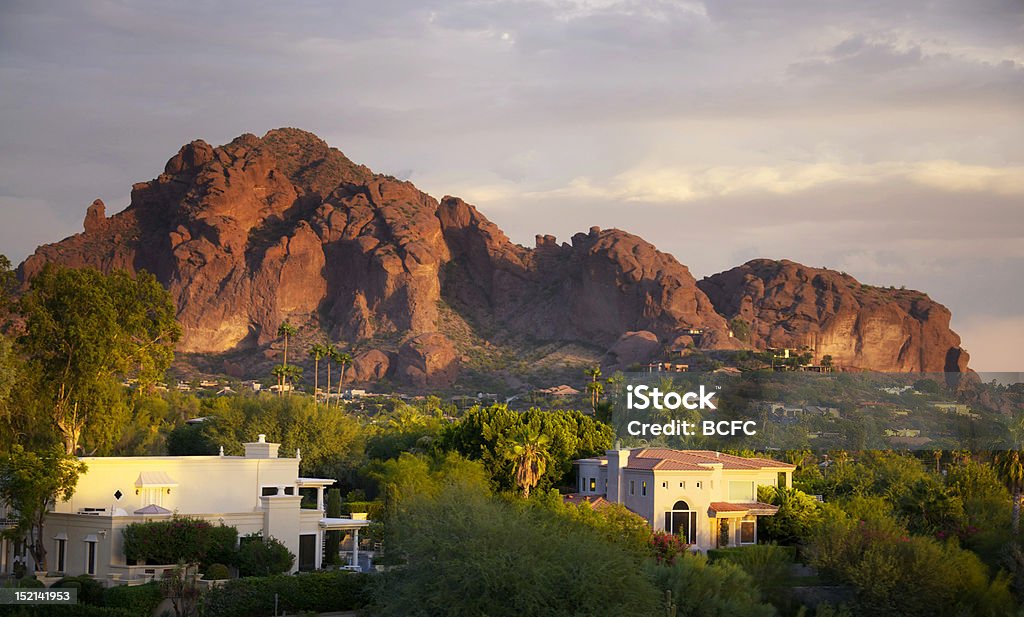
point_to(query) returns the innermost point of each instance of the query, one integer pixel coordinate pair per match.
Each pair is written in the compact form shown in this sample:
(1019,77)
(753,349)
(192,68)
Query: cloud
(680,185)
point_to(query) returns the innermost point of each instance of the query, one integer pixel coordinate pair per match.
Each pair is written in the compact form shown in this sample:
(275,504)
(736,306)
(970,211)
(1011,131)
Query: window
(289,490)
(90,557)
(682,485)
(747,532)
(62,552)
(632,487)
(664,485)
(698,484)
(269,491)
(593,485)
(741,491)
(682,522)
(782,480)
(643,488)
(583,484)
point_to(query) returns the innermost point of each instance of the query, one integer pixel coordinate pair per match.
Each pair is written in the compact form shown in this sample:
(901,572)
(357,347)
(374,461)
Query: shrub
(90,590)
(217,572)
(186,539)
(141,600)
(30,582)
(315,591)
(261,556)
(702,589)
(64,610)
(471,554)
(767,564)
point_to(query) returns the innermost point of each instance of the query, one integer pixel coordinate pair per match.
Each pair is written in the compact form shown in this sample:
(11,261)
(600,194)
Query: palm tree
(280,371)
(330,353)
(530,460)
(316,351)
(594,387)
(343,359)
(287,330)
(1011,470)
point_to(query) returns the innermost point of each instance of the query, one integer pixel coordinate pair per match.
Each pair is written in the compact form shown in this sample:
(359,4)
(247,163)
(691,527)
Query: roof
(595,501)
(153,509)
(756,507)
(155,479)
(664,459)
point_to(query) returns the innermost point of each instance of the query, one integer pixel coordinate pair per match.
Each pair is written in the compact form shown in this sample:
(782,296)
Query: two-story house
(257,492)
(707,497)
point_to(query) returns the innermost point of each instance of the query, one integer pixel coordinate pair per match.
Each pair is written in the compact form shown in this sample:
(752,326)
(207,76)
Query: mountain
(260,230)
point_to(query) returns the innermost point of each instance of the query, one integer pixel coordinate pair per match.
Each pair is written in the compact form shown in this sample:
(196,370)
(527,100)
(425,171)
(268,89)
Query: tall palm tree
(316,351)
(594,387)
(343,359)
(530,460)
(287,330)
(330,353)
(1010,468)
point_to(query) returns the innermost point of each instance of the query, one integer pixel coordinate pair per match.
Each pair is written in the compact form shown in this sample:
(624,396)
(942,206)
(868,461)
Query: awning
(153,509)
(343,523)
(155,479)
(726,509)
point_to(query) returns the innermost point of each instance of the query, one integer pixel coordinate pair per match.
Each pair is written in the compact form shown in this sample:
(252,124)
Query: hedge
(314,591)
(90,590)
(735,553)
(179,539)
(141,600)
(64,610)
(360,506)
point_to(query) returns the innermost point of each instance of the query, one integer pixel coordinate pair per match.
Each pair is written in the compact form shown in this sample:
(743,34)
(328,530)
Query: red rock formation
(860,326)
(261,230)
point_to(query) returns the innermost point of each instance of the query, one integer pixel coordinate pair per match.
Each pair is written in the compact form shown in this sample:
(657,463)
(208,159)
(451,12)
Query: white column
(355,546)
(320,498)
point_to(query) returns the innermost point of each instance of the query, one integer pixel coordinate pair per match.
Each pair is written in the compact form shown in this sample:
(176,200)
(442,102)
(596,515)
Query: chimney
(617,461)
(261,448)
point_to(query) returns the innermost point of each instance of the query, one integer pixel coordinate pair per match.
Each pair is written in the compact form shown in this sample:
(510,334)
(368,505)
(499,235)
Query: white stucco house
(257,492)
(708,497)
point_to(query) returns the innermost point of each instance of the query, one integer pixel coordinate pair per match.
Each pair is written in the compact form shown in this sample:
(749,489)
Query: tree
(343,359)
(259,556)
(470,554)
(182,588)
(317,352)
(330,353)
(529,456)
(30,483)
(1011,470)
(85,332)
(826,361)
(593,387)
(287,330)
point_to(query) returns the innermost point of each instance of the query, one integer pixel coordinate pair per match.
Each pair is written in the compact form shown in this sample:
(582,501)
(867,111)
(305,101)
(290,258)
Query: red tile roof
(696,460)
(595,501)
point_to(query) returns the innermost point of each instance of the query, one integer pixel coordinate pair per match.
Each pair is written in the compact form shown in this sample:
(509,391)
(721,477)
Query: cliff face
(261,230)
(787,304)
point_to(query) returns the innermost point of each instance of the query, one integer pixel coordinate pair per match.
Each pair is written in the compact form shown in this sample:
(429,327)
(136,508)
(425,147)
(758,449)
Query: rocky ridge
(260,230)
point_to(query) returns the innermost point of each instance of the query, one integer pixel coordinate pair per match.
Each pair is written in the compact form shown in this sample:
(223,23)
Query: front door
(307,552)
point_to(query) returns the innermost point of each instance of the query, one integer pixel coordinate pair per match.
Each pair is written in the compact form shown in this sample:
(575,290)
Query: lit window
(593,485)
(643,489)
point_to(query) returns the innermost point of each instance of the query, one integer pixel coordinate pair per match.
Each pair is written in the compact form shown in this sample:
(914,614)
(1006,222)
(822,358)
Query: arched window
(682,521)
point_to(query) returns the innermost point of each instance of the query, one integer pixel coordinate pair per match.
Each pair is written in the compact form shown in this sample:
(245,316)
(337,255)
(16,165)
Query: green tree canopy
(86,330)
(30,482)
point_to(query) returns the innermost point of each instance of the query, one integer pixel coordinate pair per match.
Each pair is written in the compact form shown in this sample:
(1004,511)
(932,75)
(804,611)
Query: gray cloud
(879,137)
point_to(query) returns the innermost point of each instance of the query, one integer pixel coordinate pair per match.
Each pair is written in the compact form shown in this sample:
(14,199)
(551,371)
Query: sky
(880,138)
